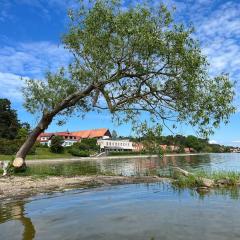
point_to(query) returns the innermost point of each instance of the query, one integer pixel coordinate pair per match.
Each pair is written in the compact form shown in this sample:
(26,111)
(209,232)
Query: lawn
(41,153)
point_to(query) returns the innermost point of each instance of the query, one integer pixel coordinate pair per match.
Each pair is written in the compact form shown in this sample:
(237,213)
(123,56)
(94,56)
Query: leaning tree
(129,61)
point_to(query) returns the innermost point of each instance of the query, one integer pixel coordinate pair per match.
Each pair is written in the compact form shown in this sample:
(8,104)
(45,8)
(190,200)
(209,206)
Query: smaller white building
(115,145)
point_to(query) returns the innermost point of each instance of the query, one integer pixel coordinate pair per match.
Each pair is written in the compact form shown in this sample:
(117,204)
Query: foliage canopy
(9,124)
(57,144)
(133,61)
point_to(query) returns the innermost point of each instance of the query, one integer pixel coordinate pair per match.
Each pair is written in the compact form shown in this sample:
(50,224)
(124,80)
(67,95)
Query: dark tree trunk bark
(43,124)
(19,161)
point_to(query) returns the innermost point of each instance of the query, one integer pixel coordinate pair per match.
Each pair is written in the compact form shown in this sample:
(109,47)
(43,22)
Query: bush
(81,146)
(10,147)
(40,145)
(57,144)
(84,148)
(91,143)
(87,145)
(78,153)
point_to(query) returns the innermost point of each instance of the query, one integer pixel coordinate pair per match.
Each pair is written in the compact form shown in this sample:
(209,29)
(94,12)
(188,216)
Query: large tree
(129,61)
(9,124)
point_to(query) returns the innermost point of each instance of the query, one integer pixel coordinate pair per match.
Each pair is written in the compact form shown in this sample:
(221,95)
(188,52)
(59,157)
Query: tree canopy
(9,124)
(128,62)
(57,144)
(133,61)
(114,135)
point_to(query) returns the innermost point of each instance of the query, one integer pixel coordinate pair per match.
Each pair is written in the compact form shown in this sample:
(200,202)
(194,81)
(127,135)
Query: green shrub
(57,144)
(39,145)
(81,146)
(10,147)
(87,145)
(91,143)
(78,153)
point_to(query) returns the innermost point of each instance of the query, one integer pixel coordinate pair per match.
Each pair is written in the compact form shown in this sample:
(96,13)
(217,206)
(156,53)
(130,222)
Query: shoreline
(79,159)
(15,187)
(19,187)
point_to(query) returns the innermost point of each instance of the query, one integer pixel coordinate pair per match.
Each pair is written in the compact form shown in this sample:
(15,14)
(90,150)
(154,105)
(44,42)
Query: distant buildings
(104,140)
(71,137)
(109,145)
(235,149)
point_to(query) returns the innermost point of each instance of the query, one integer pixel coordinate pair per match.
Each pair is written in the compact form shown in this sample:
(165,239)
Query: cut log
(207,182)
(18,162)
(204,181)
(181,172)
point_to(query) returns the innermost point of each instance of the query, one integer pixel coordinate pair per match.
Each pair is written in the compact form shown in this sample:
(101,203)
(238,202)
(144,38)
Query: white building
(115,145)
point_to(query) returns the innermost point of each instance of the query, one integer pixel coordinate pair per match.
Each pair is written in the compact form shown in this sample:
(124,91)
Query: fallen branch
(203,182)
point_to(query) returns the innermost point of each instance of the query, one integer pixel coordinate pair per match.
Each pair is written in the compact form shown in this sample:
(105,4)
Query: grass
(44,153)
(41,153)
(230,178)
(187,182)
(67,170)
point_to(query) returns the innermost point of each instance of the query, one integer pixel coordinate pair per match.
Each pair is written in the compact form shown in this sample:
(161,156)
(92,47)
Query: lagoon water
(137,211)
(144,166)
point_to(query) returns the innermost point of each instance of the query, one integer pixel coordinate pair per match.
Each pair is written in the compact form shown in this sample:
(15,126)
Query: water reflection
(15,211)
(142,166)
(229,192)
(140,211)
(153,166)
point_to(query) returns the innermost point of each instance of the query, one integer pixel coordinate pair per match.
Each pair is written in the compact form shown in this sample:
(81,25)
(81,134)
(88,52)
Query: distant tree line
(193,142)
(196,143)
(13,133)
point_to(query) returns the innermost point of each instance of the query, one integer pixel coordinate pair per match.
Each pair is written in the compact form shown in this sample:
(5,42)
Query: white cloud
(10,85)
(32,59)
(219,35)
(44,8)
(213,142)
(4,10)
(217,25)
(237,141)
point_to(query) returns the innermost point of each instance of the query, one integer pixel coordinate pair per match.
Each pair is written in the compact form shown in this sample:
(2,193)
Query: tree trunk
(19,161)
(46,119)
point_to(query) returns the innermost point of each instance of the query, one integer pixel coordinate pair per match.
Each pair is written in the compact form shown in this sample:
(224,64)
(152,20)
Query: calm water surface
(138,211)
(146,166)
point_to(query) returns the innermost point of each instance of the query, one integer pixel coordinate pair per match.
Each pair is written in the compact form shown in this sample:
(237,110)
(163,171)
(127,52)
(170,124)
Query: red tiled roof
(46,134)
(63,134)
(95,133)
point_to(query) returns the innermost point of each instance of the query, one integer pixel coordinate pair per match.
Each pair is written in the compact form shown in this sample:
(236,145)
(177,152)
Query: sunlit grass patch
(190,181)
(225,178)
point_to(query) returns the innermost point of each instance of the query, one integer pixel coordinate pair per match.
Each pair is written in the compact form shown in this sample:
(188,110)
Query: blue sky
(30,33)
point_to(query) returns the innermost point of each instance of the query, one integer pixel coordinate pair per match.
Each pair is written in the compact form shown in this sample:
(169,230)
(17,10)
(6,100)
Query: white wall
(118,144)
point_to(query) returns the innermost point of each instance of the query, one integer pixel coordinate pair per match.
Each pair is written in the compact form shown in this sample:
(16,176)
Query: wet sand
(18,187)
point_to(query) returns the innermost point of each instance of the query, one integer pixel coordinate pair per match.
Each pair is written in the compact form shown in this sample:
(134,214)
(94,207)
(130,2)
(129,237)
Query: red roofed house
(101,133)
(72,137)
